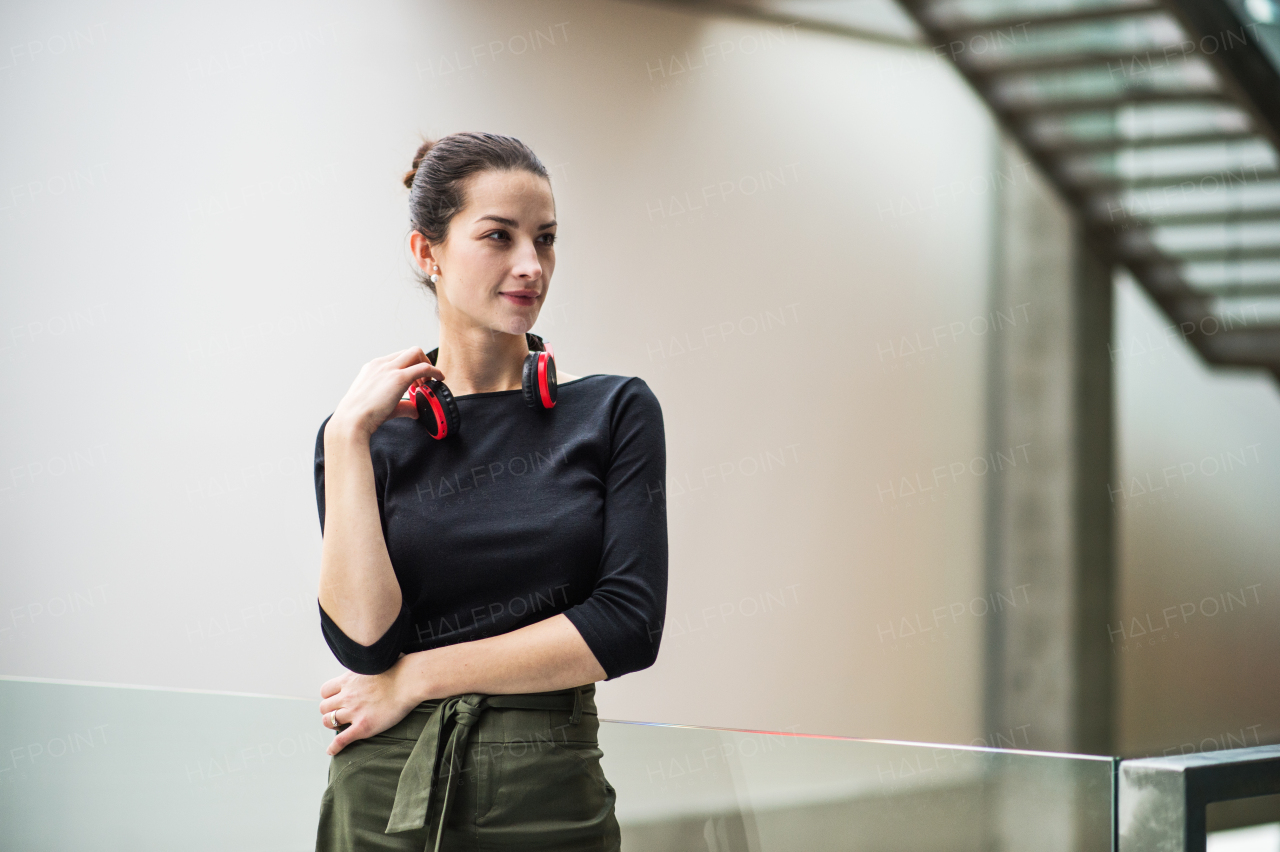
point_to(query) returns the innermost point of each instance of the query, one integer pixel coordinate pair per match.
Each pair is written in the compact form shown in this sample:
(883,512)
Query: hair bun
(423,150)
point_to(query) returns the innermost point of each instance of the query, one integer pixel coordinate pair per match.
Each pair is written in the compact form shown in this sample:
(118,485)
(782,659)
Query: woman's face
(496,262)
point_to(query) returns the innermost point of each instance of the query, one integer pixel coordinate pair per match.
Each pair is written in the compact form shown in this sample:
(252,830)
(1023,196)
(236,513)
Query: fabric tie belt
(455,717)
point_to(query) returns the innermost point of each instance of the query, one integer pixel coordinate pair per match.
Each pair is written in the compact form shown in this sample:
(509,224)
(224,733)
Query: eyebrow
(511,223)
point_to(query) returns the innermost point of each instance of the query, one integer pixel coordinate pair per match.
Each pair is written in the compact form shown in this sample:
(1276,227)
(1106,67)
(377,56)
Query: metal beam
(1259,171)
(1260,217)
(1261,290)
(1245,69)
(1226,254)
(1022,112)
(1060,62)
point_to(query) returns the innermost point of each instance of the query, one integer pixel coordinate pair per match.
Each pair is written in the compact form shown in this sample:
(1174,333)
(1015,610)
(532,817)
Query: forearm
(547,655)
(358,586)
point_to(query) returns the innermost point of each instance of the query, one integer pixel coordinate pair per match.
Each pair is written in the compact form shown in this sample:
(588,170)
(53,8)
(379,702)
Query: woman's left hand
(370,703)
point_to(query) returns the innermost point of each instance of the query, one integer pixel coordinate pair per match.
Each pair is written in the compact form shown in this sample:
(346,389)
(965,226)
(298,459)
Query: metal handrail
(1161,801)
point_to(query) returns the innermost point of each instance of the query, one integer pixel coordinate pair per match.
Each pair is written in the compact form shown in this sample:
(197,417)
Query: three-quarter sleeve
(362,659)
(621,621)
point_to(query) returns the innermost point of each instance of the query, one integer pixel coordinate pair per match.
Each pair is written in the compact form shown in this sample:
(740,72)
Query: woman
(478,586)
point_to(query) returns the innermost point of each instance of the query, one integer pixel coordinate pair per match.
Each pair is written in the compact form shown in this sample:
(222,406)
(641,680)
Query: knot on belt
(427,760)
(453,718)
(467,710)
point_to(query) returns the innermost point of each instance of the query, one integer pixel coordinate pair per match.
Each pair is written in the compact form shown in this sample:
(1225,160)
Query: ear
(423,252)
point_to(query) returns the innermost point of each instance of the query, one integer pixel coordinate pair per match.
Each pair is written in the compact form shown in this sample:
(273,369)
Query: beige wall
(204,238)
(1197,499)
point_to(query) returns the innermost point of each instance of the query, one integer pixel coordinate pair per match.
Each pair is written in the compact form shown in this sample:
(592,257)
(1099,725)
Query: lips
(521,297)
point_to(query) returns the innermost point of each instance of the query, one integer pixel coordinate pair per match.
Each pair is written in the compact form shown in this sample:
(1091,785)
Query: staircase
(1157,120)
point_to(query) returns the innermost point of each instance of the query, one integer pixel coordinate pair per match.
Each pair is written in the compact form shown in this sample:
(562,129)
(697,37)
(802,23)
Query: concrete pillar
(1050,561)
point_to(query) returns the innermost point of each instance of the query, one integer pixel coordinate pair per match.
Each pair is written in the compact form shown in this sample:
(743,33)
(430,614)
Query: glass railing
(103,767)
(682,787)
(91,767)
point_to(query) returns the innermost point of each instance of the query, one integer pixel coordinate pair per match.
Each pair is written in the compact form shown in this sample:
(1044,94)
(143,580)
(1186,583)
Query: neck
(480,360)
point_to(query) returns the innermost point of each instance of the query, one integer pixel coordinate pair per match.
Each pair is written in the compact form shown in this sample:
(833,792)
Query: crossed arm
(543,656)
(360,592)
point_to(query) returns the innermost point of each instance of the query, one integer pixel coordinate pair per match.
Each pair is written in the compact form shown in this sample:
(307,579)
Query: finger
(331,687)
(331,703)
(405,408)
(341,740)
(412,355)
(414,375)
(422,370)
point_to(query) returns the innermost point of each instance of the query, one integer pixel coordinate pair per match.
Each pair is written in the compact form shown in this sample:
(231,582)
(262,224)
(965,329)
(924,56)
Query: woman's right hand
(376,395)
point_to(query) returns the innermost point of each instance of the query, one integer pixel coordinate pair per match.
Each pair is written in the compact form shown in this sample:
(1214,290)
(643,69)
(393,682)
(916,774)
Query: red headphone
(439,412)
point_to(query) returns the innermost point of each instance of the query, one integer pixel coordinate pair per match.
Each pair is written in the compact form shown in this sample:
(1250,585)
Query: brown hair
(439,169)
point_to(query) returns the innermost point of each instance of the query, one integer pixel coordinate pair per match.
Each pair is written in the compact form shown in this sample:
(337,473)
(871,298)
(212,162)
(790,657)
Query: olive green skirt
(473,772)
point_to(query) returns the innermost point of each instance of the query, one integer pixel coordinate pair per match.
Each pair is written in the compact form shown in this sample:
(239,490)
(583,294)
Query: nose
(527,265)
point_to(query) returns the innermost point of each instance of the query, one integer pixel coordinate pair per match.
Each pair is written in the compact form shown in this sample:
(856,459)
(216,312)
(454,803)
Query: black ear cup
(539,380)
(438,410)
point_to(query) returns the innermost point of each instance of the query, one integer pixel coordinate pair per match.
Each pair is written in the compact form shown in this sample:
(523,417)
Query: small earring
(434,278)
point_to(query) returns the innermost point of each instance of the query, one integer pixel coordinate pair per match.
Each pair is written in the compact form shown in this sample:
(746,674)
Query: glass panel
(164,770)
(1227,273)
(1138,122)
(1153,32)
(692,788)
(91,767)
(1243,160)
(1180,239)
(1207,196)
(1235,311)
(1192,76)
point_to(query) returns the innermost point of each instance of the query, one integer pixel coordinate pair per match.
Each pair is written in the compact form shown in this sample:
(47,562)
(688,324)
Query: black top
(520,515)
